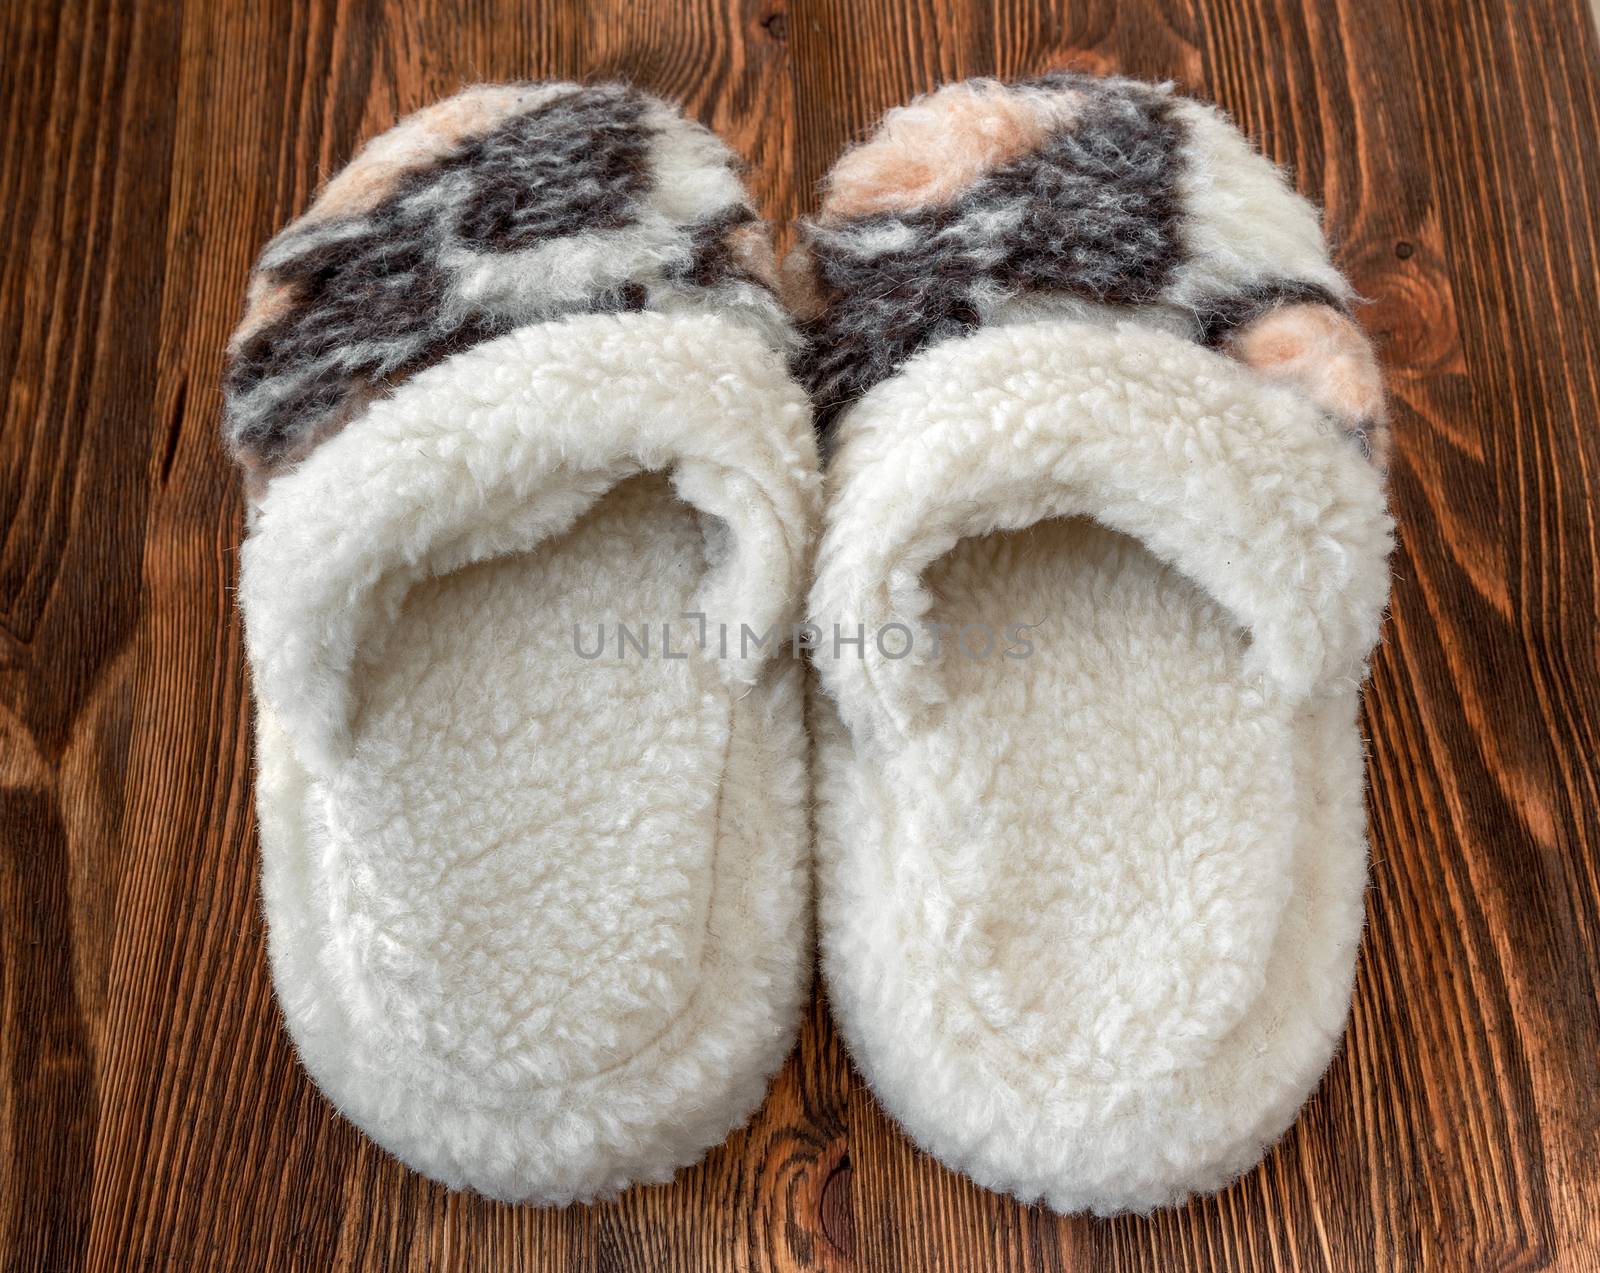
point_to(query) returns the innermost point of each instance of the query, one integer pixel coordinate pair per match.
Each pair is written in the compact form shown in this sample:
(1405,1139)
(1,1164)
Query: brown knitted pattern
(1067,195)
(503,206)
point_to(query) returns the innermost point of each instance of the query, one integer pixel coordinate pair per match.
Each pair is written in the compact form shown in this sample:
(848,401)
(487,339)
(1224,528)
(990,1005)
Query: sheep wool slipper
(1104,554)
(537,904)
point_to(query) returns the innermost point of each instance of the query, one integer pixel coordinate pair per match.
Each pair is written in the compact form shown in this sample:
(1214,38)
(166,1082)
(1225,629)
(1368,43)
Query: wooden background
(151,1112)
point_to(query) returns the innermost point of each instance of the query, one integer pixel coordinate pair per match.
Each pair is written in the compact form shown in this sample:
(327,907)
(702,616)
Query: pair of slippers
(529,421)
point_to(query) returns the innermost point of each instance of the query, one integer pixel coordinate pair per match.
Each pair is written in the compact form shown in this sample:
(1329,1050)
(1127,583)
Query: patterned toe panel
(1076,197)
(503,206)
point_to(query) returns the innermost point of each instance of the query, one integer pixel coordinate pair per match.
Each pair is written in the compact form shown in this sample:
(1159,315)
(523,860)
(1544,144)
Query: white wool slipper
(537,916)
(1104,555)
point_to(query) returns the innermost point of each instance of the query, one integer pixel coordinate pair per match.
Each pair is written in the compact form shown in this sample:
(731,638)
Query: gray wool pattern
(1093,214)
(469,244)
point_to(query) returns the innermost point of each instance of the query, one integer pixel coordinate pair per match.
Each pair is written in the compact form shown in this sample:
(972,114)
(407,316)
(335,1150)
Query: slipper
(537,908)
(1104,555)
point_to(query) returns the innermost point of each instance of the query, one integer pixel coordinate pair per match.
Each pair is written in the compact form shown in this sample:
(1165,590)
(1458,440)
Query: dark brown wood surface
(151,1111)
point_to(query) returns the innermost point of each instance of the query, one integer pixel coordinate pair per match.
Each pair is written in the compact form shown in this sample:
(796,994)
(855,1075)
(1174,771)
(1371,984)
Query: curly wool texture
(987,203)
(537,925)
(504,206)
(1089,919)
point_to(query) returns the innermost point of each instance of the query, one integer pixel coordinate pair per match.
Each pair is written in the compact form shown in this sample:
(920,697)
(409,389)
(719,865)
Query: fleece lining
(537,922)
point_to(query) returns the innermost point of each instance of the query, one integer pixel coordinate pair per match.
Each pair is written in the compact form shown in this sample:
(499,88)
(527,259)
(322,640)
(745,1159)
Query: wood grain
(151,1112)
